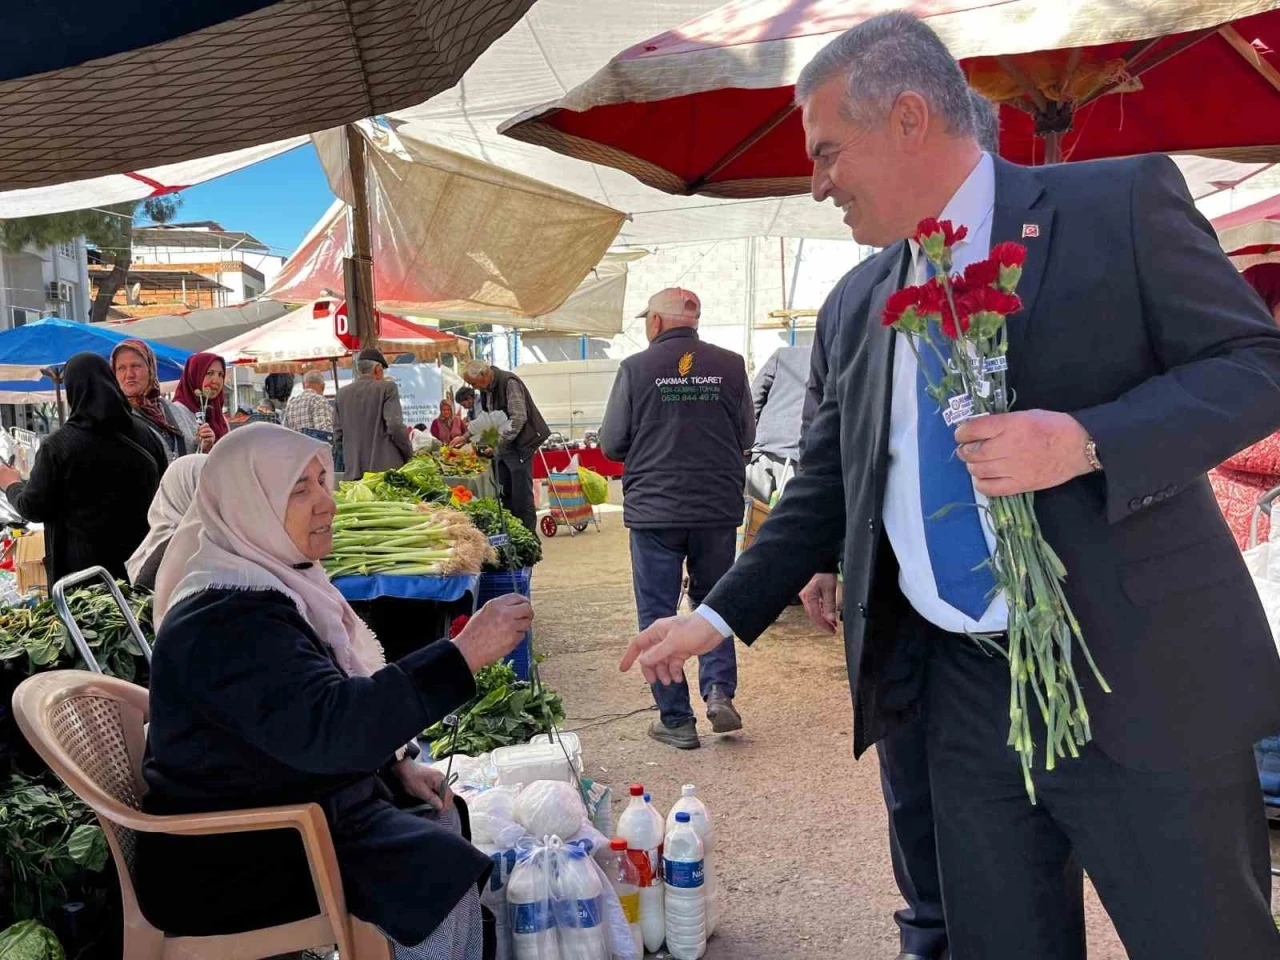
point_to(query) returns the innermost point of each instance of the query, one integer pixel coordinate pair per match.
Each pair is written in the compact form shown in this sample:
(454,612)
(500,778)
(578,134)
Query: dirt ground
(800,825)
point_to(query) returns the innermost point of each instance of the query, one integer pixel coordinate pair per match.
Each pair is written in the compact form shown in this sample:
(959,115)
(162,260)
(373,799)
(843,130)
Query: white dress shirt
(972,206)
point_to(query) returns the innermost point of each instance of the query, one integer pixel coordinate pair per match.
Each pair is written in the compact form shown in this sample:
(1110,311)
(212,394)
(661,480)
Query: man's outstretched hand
(667,644)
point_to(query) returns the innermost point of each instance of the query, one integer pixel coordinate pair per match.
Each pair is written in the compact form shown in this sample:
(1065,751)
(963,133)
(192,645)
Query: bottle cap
(617,843)
(637,789)
(682,817)
(688,790)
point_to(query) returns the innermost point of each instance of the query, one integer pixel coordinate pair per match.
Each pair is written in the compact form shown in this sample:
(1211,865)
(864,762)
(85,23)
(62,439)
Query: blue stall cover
(443,589)
(27,350)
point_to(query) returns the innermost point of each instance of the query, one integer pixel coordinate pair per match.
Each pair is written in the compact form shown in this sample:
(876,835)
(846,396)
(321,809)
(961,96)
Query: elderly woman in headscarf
(200,392)
(137,373)
(93,480)
(177,490)
(266,689)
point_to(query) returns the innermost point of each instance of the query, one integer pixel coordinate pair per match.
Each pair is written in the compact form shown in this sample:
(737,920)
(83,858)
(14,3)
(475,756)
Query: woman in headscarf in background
(1240,481)
(93,480)
(177,490)
(264,675)
(137,373)
(201,392)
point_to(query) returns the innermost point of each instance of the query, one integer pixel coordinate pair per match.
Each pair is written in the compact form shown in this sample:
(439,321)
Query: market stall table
(592,458)
(407,613)
(481,484)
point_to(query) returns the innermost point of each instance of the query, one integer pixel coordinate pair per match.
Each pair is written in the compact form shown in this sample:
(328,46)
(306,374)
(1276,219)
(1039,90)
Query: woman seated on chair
(266,689)
(177,490)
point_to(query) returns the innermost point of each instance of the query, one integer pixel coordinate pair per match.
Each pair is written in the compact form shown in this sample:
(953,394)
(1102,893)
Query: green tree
(109,228)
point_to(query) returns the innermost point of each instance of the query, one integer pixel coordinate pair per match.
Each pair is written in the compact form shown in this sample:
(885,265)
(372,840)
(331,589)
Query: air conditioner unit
(66,292)
(52,291)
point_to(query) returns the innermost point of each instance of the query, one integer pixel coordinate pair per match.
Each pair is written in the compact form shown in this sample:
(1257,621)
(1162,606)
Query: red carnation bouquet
(971,311)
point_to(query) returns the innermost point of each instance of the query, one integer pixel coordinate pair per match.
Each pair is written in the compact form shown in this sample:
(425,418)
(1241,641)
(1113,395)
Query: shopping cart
(569,506)
(59,594)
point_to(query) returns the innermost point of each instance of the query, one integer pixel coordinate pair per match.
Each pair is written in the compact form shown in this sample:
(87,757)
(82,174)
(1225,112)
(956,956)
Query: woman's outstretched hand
(495,631)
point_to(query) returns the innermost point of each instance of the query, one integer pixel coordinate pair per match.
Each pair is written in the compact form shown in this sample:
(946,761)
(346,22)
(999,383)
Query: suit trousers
(515,479)
(908,798)
(658,558)
(1180,859)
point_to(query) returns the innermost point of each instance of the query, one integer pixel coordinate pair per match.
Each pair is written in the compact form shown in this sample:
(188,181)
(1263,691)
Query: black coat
(1136,324)
(94,479)
(681,420)
(248,709)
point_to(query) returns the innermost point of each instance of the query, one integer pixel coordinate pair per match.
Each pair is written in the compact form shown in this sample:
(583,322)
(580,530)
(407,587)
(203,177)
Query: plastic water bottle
(626,884)
(579,906)
(700,820)
(686,906)
(642,831)
(494,895)
(529,912)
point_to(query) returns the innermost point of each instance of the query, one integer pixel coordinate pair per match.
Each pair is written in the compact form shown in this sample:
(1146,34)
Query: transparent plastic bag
(561,906)
(550,807)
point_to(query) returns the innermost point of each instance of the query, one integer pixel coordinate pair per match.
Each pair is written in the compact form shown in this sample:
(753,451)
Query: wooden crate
(754,514)
(28,563)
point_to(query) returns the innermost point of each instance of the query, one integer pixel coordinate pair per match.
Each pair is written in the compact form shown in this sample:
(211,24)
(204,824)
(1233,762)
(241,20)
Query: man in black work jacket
(680,418)
(1140,360)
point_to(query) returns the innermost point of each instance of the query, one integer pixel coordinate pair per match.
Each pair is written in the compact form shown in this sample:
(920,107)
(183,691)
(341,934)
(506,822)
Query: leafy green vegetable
(524,548)
(30,940)
(39,634)
(48,839)
(504,711)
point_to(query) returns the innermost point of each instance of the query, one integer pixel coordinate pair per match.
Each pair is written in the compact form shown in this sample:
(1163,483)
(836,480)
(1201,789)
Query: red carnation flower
(930,227)
(949,324)
(990,300)
(1009,254)
(933,299)
(984,273)
(898,303)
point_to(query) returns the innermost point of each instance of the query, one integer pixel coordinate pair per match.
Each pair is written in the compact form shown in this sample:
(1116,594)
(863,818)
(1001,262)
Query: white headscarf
(172,499)
(233,537)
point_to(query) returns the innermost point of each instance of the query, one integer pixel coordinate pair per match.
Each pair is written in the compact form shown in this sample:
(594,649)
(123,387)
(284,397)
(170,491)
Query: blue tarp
(445,589)
(51,342)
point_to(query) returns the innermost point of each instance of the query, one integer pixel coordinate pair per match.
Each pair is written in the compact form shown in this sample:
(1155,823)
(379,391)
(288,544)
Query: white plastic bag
(550,807)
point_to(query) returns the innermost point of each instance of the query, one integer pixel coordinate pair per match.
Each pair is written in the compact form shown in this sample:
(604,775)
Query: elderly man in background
(368,423)
(309,412)
(1141,359)
(524,433)
(680,418)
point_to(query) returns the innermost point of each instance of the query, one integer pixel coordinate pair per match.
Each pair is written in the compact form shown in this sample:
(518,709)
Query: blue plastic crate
(498,584)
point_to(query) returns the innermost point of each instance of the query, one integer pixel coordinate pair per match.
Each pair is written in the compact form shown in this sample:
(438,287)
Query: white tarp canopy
(451,236)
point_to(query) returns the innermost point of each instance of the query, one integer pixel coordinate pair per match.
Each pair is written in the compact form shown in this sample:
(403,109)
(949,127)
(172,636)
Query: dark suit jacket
(1136,324)
(368,427)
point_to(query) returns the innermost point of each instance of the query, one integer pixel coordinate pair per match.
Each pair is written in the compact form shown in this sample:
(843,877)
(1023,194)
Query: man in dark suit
(1139,361)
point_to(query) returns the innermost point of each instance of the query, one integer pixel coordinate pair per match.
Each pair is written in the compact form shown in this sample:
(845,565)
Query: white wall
(268,264)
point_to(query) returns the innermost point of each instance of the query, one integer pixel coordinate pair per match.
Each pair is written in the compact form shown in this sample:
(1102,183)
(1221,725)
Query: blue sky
(277,200)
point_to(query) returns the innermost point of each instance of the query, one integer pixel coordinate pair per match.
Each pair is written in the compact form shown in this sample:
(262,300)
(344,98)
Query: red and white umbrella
(310,339)
(708,107)
(1251,234)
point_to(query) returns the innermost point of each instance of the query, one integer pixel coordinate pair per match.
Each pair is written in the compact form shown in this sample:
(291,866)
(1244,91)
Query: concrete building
(44,282)
(238,261)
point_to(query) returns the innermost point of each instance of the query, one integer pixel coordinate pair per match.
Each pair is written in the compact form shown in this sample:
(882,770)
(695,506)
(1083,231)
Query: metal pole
(782,268)
(360,296)
(56,376)
(334,362)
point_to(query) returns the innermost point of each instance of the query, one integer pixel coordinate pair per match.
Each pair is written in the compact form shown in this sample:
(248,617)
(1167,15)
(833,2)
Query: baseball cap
(369,353)
(673,302)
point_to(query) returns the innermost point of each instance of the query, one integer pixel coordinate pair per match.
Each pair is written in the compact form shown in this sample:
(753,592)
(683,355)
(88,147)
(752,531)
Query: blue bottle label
(530,918)
(579,914)
(504,861)
(684,874)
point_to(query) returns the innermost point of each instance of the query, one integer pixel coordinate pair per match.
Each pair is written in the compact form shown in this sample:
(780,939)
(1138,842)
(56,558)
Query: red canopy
(707,107)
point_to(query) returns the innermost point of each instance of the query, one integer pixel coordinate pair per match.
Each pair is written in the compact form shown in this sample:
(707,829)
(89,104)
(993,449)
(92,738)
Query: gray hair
(986,122)
(474,369)
(313,377)
(365,368)
(881,59)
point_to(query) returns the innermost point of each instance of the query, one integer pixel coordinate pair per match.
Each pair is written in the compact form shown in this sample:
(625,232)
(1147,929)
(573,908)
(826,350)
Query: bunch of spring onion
(407,539)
